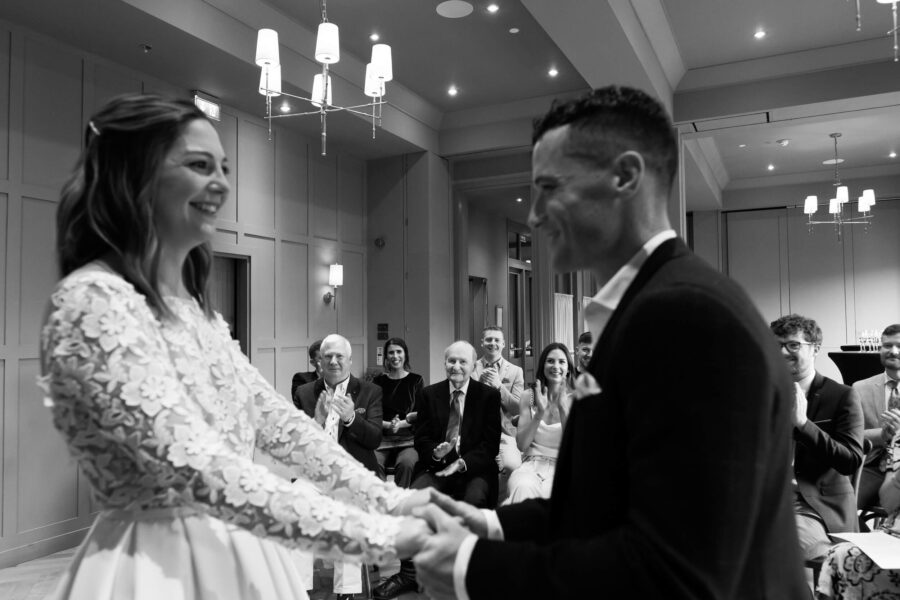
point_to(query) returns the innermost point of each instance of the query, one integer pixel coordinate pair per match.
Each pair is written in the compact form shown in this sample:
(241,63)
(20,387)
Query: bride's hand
(412,536)
(417,498)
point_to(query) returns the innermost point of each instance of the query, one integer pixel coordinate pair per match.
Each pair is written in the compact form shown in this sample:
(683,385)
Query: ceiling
(813,74)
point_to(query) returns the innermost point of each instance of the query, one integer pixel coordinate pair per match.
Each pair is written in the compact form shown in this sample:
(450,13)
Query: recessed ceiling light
(760,34)
(285,107)
(833,161)
(742,145)
(492,8)
(892,155)
(514,30)
(374,37)
(783,142)
(552,72)
(454,9)
(518,199)
(452,90)
(771,167)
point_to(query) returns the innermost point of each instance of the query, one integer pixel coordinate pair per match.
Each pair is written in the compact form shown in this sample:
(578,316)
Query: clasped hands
(342,403)
(890,424)
(432,537)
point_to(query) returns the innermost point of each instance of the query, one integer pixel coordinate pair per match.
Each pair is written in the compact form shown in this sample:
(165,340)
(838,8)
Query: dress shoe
(393,586)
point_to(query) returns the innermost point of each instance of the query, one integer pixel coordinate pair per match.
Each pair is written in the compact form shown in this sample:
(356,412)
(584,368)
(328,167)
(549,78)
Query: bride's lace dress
(163,416)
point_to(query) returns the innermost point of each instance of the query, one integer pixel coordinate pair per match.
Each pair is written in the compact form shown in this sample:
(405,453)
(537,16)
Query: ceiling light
(842,196)
(374,37)
(892,155)
(454,9)
(492,8)
(514,30)
(553,72)
(285,107)
(771,167)
(327,52)
(518,199)
(783,142)
(760,34)
(452,90)
(742,145)
(893,31)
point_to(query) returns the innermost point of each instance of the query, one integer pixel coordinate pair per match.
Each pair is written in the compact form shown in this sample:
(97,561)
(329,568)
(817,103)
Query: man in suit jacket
(673,474)
(457,450)
(350,410)
(828,436)
(493,370)
(879,398)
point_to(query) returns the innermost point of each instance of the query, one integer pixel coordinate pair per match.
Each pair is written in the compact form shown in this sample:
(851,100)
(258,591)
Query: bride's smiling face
(191,188)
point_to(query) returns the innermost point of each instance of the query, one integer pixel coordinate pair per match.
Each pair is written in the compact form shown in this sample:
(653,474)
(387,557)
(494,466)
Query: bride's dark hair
(106,206)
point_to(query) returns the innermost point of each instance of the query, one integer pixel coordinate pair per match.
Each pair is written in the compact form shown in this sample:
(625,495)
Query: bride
(158,405)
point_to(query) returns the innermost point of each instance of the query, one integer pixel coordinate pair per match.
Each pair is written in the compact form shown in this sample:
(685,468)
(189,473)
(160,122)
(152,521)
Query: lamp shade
(319,92)
(869,195)
(863,205)
(834,206)
(328,50)
(267,48)
(336,275)
(270,81)
(843,195)
(811,205)
(374,86)
(381,59)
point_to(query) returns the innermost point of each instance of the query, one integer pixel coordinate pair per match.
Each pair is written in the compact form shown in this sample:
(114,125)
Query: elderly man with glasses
(828,439)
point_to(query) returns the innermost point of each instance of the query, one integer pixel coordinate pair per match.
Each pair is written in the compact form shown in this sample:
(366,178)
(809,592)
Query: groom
(673,476)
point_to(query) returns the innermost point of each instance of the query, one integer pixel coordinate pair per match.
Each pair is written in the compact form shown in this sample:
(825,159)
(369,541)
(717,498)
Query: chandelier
(893,31)
(842,197)
(378,72)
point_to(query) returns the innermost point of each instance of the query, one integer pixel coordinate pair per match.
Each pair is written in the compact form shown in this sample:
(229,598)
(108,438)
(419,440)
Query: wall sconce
(335,280)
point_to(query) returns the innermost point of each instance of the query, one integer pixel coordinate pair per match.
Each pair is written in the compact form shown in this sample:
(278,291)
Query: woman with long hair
(542,417)
(159,406)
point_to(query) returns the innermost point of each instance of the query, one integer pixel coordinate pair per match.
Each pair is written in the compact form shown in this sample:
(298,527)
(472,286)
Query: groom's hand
(411,537)
(434,562)
(417,498)
(471,517)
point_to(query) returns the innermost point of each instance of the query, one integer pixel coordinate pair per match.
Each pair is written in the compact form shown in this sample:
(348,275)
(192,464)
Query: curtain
(563,319)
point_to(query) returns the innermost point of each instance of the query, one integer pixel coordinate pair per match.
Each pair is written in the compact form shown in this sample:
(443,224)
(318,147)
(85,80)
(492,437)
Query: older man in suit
(828,436)
(457,438)
(350,411)
(673,474)
(880,400)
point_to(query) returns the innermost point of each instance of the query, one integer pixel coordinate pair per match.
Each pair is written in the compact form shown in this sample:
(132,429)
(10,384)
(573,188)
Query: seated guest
(299,379)
(878,395)
(847,573)
(350,411)
(399,388)
(542,417)
(828,439)
(493,370)
(457,439)
(583,352)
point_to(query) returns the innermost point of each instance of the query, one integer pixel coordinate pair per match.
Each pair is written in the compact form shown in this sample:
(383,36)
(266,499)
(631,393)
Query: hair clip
(93,128)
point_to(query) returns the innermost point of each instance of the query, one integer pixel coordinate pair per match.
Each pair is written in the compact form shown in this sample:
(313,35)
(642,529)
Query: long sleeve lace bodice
(163,413)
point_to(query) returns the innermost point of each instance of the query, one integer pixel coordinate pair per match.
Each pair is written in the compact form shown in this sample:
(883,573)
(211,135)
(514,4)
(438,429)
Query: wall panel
(291,175)
(876,271)
(37,265)
(352,308)
(47,491)
(293,291)
(351,193)
(262,290)
(256,185)
(111,81)
(52,113)
(5,41)
(754,257)
(4,223)
(323,195)
(227,129)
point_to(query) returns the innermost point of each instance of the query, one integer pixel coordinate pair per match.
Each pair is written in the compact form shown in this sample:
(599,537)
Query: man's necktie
(453,419)
(893,403)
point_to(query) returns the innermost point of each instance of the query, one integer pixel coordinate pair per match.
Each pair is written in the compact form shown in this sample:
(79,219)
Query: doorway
(520,288)
(478,306)
(229,295)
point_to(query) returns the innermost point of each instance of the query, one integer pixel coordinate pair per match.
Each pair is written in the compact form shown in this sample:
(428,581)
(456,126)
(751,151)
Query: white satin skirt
(177,554)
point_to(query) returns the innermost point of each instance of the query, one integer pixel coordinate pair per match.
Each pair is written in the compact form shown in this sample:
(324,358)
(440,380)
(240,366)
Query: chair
(816,563)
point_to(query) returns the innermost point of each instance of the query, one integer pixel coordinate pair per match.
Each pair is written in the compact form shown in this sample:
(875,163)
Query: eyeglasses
(794,346)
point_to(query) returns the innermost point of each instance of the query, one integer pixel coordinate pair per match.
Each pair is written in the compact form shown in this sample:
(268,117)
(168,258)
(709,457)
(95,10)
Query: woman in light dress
(159,406)
(542,417)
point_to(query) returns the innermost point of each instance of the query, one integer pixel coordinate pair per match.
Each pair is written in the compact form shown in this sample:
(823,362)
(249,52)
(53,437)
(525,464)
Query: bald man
(457,438)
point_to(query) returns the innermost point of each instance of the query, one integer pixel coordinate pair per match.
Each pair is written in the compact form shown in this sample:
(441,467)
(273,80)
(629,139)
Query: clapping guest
(399,388)
(542,417)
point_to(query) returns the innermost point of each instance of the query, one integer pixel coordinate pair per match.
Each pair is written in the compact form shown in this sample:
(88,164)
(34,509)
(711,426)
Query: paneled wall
(291,213)
(846,284)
